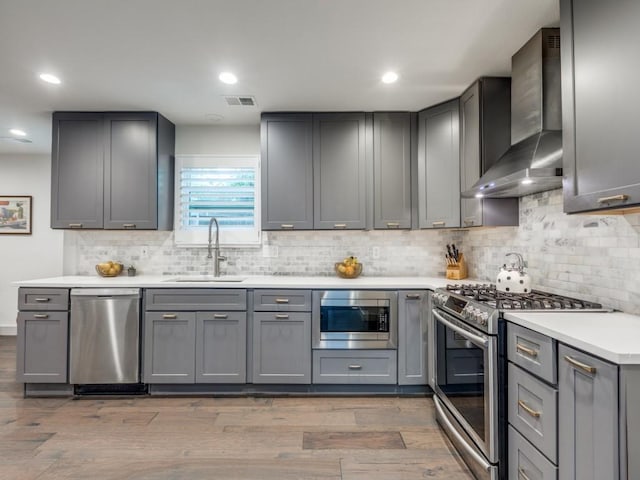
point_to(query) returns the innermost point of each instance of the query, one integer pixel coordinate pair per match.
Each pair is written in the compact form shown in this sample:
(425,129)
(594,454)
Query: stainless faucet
(217,258)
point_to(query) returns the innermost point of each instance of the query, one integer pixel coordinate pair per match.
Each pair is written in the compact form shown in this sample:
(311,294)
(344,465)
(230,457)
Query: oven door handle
(478,340)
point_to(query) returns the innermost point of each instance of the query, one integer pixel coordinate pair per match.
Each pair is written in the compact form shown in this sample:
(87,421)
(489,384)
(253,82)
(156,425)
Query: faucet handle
(222,258)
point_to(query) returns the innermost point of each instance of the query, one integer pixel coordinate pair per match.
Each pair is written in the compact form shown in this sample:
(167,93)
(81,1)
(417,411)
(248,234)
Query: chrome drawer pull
(412,296)
(42,300)
(438,224)
(580,365)
(75,225)
(613,198)
(469,220)
(339,225)
(393,224)
(128,225)
(282,315)
(528,409)
(355,367)
(529,351)
(169,315)
(522,475)
(286,226)
(282,300)
(41,315)
(220,315)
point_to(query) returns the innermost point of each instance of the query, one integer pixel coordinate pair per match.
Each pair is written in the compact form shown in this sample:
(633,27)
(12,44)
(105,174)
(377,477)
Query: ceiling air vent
(240,100)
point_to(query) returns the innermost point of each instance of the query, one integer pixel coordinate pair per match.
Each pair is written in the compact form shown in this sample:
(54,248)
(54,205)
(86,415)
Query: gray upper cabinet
(287,171)
(485,134)
(439,166)
(413,314)
(600,111)
(112,170)
(339,171)
(587,417)
(77,161)
(392,170)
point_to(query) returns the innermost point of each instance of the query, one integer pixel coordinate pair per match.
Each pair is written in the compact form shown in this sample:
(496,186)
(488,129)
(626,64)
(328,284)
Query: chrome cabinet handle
(440,223)
(529,351)
(40,315)
(582,366)
(528,409)
(522,475)
(355,367)
(75,225)
(220,315)
(282,300)
(128,225)
(339,225)
(42,299)
(286,226)
(282,315)
(169,315)
(613,198)
(412,296)
(393,224)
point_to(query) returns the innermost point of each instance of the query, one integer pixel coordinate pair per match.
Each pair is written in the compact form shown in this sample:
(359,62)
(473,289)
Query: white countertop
(275,281)
(613,336)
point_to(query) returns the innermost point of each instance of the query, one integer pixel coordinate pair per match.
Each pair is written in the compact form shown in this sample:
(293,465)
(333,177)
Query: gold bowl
(350,271)
(109,269)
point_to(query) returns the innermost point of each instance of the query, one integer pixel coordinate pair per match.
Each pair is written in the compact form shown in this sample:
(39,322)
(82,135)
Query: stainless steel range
(470,367)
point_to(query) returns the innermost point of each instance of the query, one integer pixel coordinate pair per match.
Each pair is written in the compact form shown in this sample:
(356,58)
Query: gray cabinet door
(77,159)
(485,134)
(339,171)
(130,172)
(392,170)
(287,171)
(600,98)
(439,166)
(587,417)
(412,337)
(169,347)
(42,347)
(281,347)
(221,347)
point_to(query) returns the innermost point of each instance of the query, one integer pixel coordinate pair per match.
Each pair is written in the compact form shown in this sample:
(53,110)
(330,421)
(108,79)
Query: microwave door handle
(478,340)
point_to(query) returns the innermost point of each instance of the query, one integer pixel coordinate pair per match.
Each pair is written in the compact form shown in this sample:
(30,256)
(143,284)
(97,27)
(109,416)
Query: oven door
(466,379)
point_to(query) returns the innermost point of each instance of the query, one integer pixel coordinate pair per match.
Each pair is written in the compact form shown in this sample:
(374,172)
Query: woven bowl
(352,271)
(113,271)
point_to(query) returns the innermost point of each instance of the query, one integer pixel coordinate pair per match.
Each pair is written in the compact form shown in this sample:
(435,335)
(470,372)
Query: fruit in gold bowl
(348,268)
(109,269)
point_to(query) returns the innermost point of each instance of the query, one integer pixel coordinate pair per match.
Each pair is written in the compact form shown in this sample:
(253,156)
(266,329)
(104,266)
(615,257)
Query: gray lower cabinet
(413,315)
(169,347)
(355,367)
(282,347)
(287,171)
(439,166)
(391,170)
(221,347)
(600,111)
(112,170)
(339,171)
(588,417)
(42,347)
(527,463)
(485,134)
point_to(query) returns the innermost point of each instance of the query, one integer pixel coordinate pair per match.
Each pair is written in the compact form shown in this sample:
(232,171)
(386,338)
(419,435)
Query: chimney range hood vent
(533,163)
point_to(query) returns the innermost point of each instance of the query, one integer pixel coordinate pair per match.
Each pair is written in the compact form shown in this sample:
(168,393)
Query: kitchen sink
(206,279)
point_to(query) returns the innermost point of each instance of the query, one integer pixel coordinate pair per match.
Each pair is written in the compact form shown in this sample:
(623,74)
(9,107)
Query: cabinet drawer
(532,351)
(355,366)
(192,299)
(527,463)
(533,411)
(282,300)
(51,299)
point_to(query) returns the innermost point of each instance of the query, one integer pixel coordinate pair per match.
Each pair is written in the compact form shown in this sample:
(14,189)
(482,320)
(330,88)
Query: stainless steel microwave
(355,319)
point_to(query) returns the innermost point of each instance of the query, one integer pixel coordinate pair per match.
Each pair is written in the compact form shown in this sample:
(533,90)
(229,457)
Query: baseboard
(8,331)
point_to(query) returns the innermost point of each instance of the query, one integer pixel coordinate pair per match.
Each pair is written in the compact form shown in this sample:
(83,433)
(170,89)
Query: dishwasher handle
(106,292)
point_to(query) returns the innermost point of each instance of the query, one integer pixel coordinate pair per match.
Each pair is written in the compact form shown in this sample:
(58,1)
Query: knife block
(457,271)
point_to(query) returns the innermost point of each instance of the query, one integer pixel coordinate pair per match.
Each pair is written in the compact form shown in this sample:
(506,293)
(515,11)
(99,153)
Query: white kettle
(514,279)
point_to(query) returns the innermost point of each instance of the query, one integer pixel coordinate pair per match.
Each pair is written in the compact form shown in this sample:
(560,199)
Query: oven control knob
(483,318)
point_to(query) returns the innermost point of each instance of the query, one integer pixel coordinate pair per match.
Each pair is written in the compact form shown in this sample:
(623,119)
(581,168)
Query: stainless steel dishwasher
(104,336)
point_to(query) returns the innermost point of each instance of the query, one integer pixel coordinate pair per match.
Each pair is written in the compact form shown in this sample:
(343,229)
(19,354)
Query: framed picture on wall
(15,215)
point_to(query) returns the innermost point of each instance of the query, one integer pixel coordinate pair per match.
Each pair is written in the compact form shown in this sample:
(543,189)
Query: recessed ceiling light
(390,77)
(228,77)
(50,78)
(479,195)
(17,132)
(526,181)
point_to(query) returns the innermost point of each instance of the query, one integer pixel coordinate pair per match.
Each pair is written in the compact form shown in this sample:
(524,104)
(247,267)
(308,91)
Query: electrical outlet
(375,252)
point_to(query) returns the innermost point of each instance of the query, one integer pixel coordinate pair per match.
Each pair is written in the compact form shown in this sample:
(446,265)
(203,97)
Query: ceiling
(165,55)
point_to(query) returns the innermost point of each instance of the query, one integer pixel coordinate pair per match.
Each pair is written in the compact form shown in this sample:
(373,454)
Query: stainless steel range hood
(533,163)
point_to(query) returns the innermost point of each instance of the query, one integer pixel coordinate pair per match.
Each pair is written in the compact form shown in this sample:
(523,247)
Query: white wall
(222,140)
(24,257)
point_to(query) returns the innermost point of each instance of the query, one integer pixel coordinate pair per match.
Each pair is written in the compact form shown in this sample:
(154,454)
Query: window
(225,187)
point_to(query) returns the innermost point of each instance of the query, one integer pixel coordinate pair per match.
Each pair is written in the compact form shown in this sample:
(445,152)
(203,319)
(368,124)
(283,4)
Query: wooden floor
(283,438)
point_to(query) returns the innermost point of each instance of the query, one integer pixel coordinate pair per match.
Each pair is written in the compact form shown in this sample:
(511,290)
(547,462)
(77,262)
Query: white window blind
(224,187)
